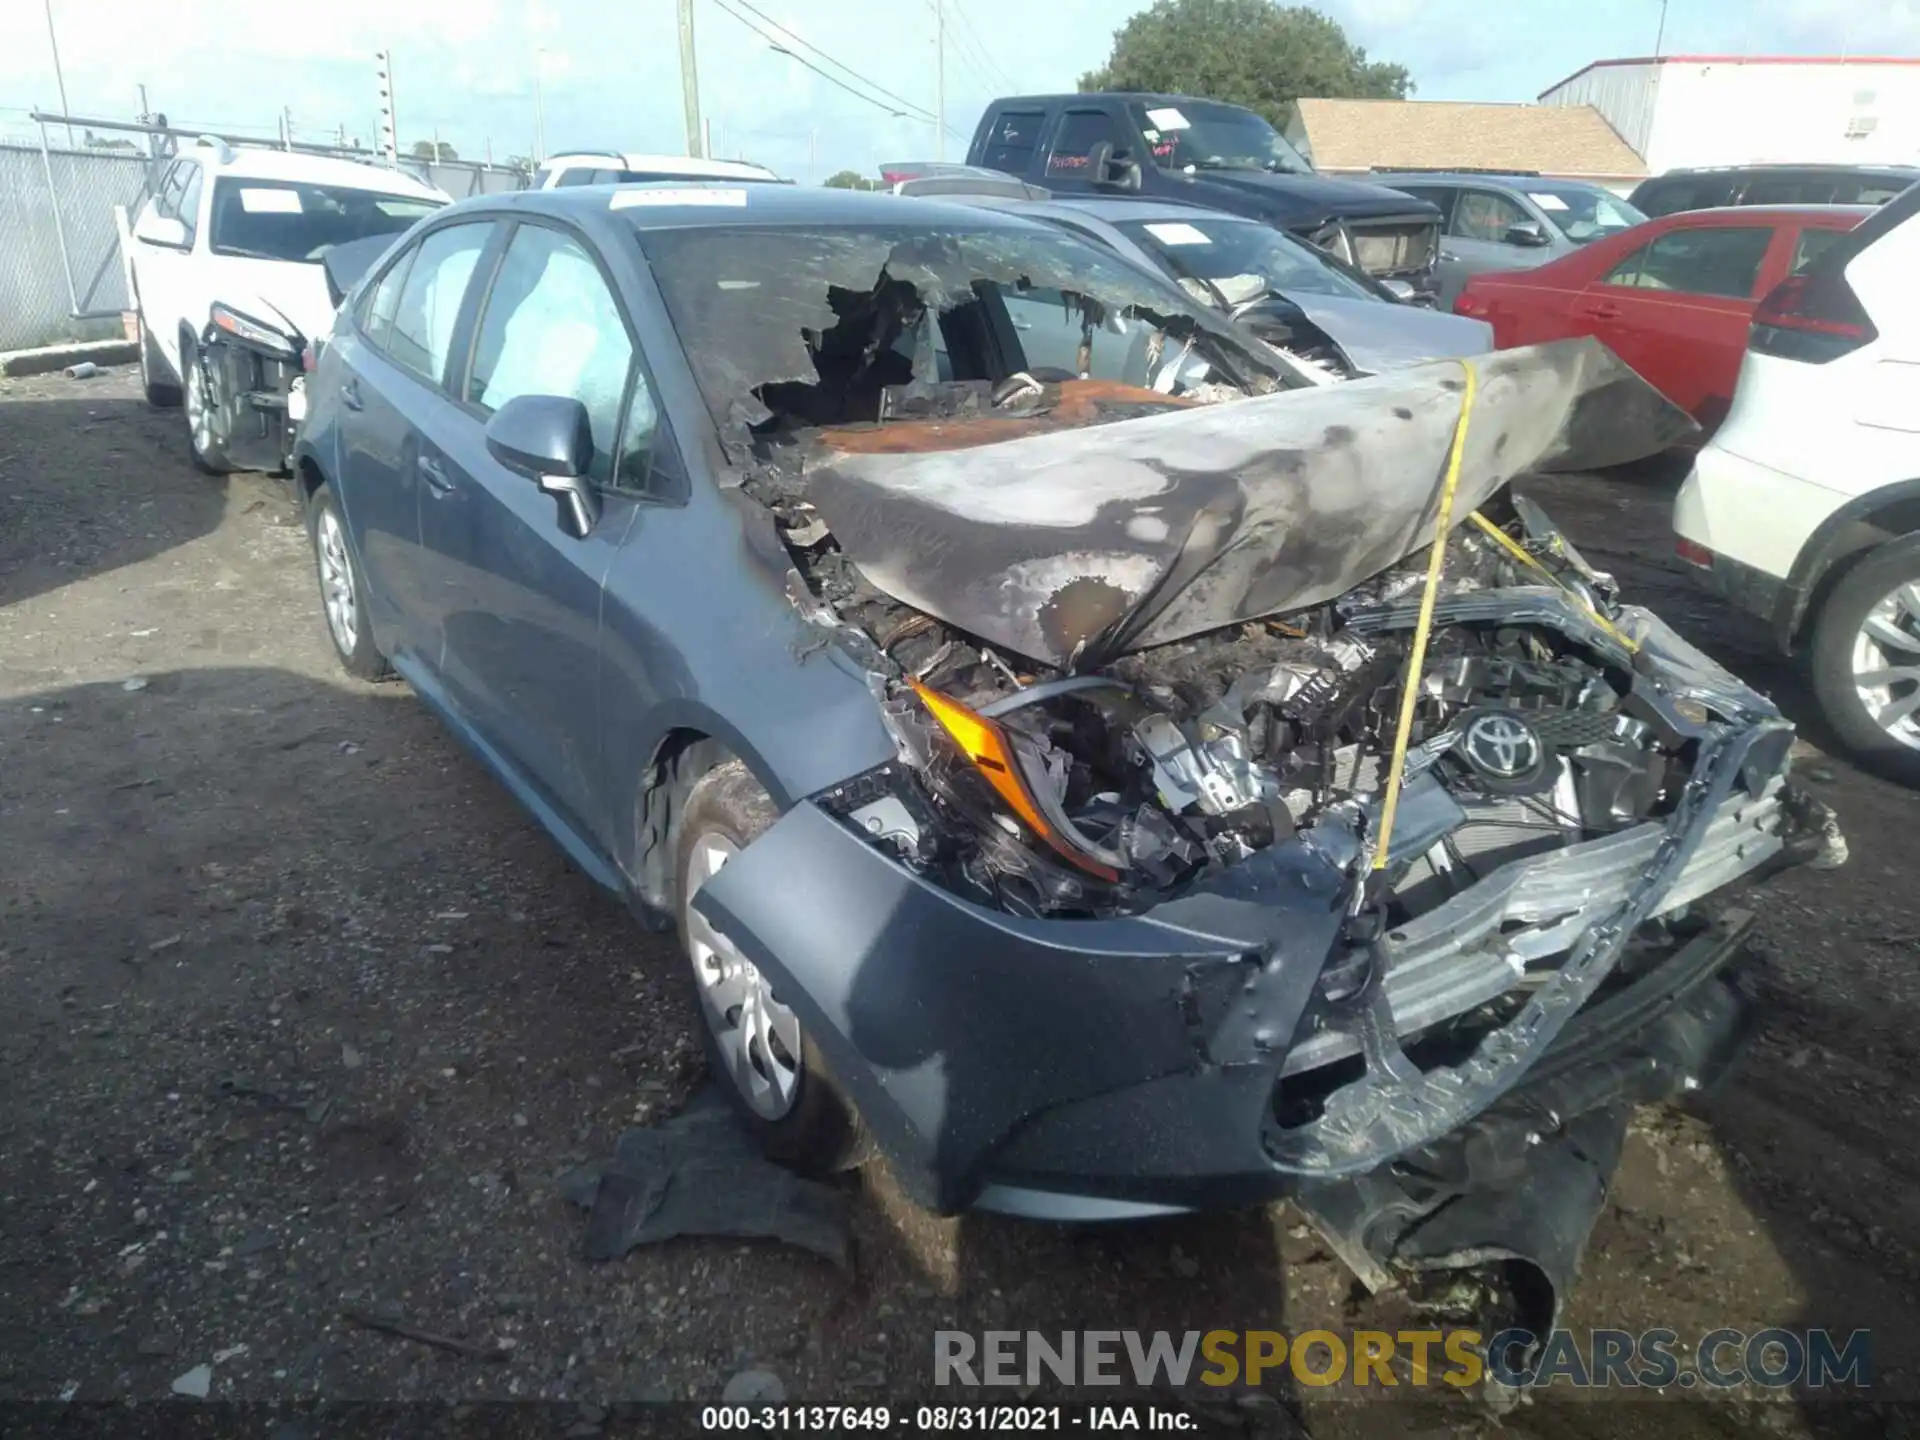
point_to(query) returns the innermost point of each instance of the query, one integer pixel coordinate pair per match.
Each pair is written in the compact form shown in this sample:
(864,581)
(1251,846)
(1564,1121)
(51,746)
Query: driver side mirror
(549,439)
(163,230)
(1113,168)
(1528,233)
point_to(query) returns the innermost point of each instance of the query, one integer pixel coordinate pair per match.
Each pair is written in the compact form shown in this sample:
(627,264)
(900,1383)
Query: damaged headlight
(253,332)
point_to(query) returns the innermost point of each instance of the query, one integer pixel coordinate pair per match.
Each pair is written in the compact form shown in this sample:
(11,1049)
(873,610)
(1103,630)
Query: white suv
(1805,507)
(228,281)
(609,167)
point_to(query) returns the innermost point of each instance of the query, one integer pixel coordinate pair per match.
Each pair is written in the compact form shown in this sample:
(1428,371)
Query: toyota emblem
(1503,747)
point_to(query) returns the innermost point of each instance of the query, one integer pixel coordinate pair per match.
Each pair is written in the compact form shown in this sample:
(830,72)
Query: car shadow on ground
(67,524)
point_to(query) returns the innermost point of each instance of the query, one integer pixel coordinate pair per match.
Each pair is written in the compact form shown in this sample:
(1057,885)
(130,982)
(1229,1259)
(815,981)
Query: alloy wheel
(1886,664)
(200,406)
(336,582)
(758,1037)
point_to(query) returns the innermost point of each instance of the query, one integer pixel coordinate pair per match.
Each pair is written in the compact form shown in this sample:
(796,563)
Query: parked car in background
(227,259)
(1805,507)
(742,542)
(1175,147)
(1712,187)
(1510,222)
(611,167)
(1307,303)
(1672,297)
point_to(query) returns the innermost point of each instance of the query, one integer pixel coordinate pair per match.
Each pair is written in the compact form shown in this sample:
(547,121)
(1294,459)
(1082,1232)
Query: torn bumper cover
(1075,546)
(1062,1066)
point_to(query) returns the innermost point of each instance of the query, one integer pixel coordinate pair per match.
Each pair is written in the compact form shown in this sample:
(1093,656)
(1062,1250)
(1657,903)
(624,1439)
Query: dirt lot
(299,1014)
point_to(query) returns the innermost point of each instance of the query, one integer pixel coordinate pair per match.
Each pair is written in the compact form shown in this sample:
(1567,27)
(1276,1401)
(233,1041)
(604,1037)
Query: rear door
(1081,131)
(1475,238)
(1013,140)
(393,358)
(1677,309)
(517,602)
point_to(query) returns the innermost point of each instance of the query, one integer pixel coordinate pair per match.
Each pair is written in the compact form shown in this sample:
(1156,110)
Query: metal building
(1755,109)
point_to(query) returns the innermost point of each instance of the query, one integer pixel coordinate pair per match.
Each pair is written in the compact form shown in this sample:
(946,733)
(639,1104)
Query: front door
(1677,310)
(517,600)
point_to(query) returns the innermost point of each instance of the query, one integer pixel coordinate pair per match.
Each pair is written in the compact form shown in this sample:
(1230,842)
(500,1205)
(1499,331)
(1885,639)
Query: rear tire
(208,420)
(1868,631)
(161,392)
(343,595)
(769,1068)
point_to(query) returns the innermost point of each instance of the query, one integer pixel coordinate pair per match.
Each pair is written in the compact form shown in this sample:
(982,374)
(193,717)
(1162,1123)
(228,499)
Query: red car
(1672,297)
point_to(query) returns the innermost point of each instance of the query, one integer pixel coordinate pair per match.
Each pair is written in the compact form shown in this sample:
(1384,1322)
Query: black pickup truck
(1174,147)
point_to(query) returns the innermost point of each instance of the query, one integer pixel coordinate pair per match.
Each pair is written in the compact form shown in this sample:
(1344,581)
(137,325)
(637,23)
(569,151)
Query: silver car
(1510,222)
(1311,305)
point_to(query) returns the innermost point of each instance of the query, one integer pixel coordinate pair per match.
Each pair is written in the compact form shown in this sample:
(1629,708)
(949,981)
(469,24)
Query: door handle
(435,474)
(350,395)
(1448,255)
(1602,311)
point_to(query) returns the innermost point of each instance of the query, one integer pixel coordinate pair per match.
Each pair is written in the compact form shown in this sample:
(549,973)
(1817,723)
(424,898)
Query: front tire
(1866,660)
(769,1068)
(208,423)
(343,595)
(161,392)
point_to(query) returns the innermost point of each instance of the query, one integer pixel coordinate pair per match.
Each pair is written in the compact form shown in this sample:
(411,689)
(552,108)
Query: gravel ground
(300,1015)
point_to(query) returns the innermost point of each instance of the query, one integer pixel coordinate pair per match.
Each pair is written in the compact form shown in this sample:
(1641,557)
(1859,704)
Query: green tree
(424,150)
(850,180)
(1248,52)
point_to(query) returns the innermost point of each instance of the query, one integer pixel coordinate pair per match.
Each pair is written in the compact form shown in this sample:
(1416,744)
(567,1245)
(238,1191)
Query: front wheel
(343,598)
(769,1068)
(208,422)
(1866,660)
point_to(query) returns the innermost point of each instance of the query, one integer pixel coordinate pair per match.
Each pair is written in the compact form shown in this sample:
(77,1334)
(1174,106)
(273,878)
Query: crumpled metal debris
(701,1174)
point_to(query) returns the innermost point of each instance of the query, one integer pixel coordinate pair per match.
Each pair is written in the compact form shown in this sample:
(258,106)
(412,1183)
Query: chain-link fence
(59,252)
(77,207)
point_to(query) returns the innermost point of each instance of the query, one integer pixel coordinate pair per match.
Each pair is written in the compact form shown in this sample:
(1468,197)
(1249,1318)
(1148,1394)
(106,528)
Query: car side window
(166,200)
(377,303)
(421,331)
(1441,197)
(552,327)
(1080,133)
(189,198)
(575,175)
(1011,140)
(1811,245)
(1719,260)
(637,436)
(1485,215)
(1790,190)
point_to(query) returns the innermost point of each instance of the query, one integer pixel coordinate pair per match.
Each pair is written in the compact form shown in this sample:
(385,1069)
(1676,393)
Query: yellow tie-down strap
(1518,552)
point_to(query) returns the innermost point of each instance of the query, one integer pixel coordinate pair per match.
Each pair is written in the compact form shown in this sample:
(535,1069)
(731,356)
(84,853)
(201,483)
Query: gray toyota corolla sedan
(1082,785)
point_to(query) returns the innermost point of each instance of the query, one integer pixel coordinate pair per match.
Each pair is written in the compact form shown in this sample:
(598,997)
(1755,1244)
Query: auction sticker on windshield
(630,199)
(1169,119)
(258,201)
(1178,233)
(1546,201)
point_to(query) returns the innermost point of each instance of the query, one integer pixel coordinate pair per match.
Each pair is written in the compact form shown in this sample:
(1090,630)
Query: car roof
(1483,177)
(1824,167)
(1144,97)
(253,163)
(664,205)
(1119,210)
(1751,213)
(677,164)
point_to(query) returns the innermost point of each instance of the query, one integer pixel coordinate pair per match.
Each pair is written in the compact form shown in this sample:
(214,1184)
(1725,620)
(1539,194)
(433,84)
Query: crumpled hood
(1379,336)
(1071,547)
(294,299)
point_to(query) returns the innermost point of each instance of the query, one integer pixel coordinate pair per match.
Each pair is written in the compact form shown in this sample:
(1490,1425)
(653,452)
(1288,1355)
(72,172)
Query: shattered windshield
(1201,135)
(1584,215)
(1217,260)
(287,220)
(814,326)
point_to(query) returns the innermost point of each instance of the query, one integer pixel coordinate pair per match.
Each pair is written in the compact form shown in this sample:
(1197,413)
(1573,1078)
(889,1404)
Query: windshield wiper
(1218,164)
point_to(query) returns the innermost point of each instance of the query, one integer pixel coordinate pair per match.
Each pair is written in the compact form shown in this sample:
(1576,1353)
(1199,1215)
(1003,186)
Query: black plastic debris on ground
(700,1173)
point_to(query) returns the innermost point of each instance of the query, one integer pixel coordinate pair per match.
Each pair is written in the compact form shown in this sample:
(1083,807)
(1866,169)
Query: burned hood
(1073,546)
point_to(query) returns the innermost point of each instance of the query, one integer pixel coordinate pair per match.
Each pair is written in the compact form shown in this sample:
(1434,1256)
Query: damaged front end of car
(1122,927)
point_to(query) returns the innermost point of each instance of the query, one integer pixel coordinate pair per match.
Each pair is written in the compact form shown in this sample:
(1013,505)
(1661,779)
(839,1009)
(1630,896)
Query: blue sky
(465,68)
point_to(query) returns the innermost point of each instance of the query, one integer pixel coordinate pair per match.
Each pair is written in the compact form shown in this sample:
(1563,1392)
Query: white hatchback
(1805,506)
(228,282)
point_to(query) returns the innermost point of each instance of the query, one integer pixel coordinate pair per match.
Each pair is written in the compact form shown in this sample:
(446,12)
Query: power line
(919,112)
(966,25)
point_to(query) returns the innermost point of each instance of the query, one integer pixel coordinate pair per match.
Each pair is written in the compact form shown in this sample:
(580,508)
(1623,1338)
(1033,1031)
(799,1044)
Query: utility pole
(1660,35)
(706,139)
(813,143)
(389,122)
(939,81)
(539,108)
(690,84)
(60,80)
